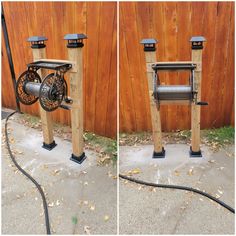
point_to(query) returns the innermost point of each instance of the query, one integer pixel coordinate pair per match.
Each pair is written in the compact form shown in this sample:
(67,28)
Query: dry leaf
(220,192)
(134,171)
(176,172)
(221,168)
(190,172)
(57,203)
(212,161)
(106,217)
(87,229)
(51,204)
(92,208)
(55,172)
(85,202)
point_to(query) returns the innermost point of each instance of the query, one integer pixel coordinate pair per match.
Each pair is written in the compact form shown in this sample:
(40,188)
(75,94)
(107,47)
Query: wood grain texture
(54,20)
(173,24)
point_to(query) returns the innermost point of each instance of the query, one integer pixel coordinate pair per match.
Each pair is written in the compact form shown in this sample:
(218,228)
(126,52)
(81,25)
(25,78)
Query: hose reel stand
(189,94)
(51,91)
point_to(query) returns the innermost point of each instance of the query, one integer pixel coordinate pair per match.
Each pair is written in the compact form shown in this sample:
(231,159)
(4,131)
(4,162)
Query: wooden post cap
(37,41)
(75,40)
(197,42)
(149,44)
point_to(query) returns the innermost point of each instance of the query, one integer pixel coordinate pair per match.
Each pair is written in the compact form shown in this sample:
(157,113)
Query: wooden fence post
(75,45)
(150,56)
(197,46)
(39,52)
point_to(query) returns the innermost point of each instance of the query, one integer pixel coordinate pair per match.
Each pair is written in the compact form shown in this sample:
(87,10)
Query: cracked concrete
(87,192)
(145,210)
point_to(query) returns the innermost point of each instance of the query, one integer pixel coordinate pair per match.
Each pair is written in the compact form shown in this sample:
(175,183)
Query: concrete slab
(145,210)
(87,192)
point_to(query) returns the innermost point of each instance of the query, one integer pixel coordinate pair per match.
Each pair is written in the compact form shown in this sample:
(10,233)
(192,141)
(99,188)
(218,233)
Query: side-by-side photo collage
(118,117)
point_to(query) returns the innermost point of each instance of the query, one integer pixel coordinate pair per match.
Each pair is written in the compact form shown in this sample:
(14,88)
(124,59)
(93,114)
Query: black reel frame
(53,89)
(174,67)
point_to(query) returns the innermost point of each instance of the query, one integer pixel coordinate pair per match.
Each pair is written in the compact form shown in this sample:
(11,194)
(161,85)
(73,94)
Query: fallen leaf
(74,220)
(220,192)
(55,172)
(92,208)
(221,168)
(51,204)
(106,217)
(87,229)
(57,203)
(134,171)
(211,161)
(190,172)
(176,173)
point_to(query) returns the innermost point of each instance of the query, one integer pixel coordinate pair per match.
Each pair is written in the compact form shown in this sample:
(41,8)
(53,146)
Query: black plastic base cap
(77,159)
(50,146)
(195,154)
(159,154)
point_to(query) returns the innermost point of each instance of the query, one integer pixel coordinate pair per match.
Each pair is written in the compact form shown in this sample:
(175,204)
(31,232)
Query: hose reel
(174,92)
(51,91)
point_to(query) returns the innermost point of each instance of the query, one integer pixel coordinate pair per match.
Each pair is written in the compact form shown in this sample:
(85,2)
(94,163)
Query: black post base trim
(77,159)
(50,146)
(195,154)
(159,154)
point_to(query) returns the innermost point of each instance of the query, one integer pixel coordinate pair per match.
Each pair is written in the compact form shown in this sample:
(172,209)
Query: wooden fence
(55,19)
(173,24)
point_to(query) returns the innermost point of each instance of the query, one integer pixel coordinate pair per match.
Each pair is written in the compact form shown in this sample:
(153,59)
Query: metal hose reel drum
(51,91)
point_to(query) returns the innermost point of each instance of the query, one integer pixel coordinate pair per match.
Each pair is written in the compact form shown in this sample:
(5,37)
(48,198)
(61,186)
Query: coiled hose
(45,206)
(180,188)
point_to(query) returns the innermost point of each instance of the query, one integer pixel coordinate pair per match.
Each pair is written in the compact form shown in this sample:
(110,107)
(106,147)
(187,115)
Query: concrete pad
(145,210)
(85,191)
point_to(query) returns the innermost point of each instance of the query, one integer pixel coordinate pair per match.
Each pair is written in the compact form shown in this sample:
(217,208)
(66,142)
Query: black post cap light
(197,42)
(37,41)
(75,40)
(149,45)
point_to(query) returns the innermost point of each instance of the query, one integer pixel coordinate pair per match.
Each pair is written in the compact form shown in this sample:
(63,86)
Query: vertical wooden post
(197,46)
(150,56)
(75,45)
(39,52)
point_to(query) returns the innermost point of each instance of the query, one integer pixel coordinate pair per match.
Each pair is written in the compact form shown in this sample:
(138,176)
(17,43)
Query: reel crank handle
(65,107)
(68,100)
(202,103)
